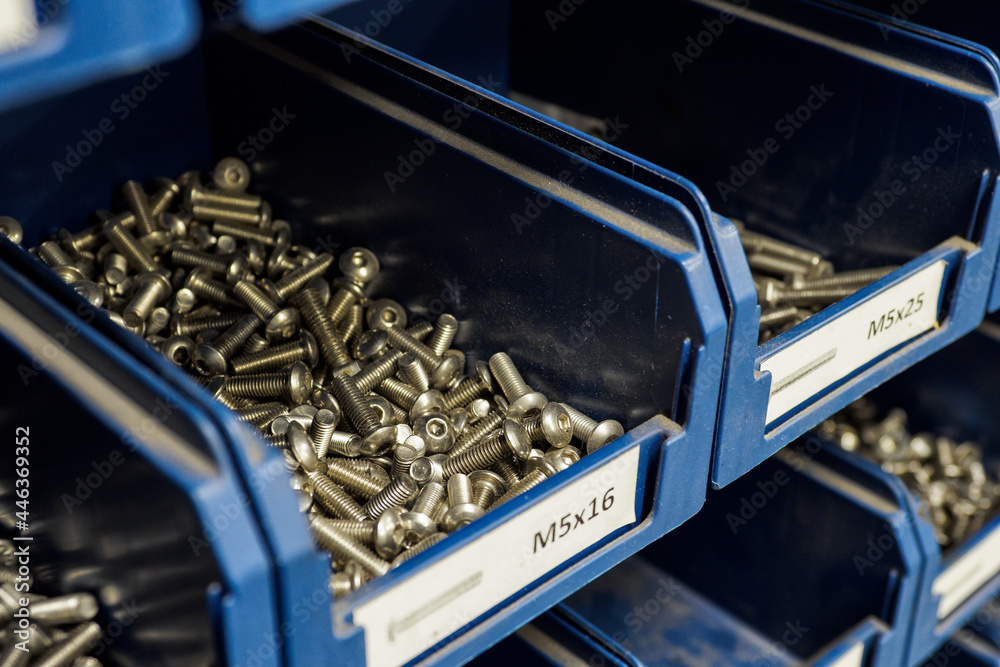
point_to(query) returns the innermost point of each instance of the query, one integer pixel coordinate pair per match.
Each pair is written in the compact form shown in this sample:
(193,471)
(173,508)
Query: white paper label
(852,658)
(18,26)
(968,573)
(852,339)
(419,612)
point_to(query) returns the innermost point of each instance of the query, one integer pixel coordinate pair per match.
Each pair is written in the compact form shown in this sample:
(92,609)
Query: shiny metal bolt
(510,439)
(151,289)
(295,384)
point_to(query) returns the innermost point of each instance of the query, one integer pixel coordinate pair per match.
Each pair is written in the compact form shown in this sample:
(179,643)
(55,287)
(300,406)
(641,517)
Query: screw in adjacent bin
(80,640)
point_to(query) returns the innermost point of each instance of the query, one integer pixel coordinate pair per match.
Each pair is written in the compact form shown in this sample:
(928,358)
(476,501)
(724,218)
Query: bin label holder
(968,573)
(853,339)
(442,597)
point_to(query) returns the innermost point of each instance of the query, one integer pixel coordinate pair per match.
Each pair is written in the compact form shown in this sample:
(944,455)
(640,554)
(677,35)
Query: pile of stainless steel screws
(960,493)
(392,442)
(794,283)
(59,630)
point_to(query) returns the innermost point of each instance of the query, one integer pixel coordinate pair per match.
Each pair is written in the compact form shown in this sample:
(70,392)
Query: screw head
(490,479)
(436,432)
(485,376)
(279,259)
(321,287)
(417,526)
(208,360)
(560,459)
(178,349)
(238,269)
(517,438)
(301,445)
(459,419)
(389,533)
(607,431)
(311,351)
(526,405)
(216,385)
(382,408)
(160,278)
(449,368)
(461,515)
(429,402)
(424,470)
(350,286)
(231,174)
(379,441)
(69,273)
(283,324)
(556,425)
(11,228)
(358,264)
(300,382)
(370,343)
(384,314)
(477,409)
(536,461)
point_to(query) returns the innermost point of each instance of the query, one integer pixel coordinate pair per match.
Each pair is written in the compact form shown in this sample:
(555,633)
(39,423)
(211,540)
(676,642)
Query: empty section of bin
(551,639)
(133,496)
(798,563)
(969,23)
(838,154)
(468,40)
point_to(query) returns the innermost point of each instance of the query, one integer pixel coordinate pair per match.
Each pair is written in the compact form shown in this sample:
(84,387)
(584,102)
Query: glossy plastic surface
(129,481)
(812,157)
(780,568)
(337,129)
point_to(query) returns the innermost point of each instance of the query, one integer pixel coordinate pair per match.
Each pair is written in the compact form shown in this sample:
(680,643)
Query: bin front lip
(210,482)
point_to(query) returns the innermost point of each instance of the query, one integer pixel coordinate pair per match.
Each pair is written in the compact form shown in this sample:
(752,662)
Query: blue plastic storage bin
(52,46)
(814,186)
(467,39)
(807,560)
(975,645)
(552,640)
(953,393)
(968,23)
(338,172)
(809,156)
(133,493)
